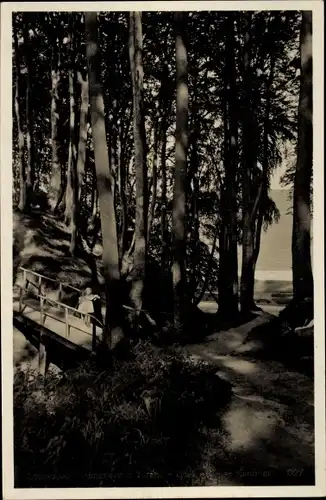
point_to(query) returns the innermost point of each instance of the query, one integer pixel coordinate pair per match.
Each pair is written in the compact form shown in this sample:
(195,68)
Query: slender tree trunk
(164,229)
(257,210)
(55,182)
(193,206)
(21,140)
(258,231)
(136,65)
(104,177)
(180,184)
(123,175)
(154,178)
(124,208)
(301,256)
(247,281)
(228,263)
(30,173)
(72,188)
(78,226)
(208,272)
(94,204)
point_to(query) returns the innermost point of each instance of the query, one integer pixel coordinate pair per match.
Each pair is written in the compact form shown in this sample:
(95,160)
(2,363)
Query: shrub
(138,423)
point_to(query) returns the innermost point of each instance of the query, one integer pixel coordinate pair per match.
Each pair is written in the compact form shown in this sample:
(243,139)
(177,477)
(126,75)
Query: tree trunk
(208,271)
(123,175)
(55,182)
(104,177)
(136,65)
(180,184)
(30,173)
(72,188)
(301,257)
(228,261)
(83,129)
(154,178)
(164,228)
(21,140)
(247,280)
(262,193)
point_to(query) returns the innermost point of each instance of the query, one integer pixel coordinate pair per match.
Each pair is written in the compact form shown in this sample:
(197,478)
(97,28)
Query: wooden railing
(90,318)
(42,278)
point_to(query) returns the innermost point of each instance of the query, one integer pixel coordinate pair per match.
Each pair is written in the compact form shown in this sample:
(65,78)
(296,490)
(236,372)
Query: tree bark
(228,258)
(208,271)
(262,193)
(136,65)
(30,172)
(164,229)
(154,176)
(81,159)
(180,184)
(301,254)
(72,188)
(20,132)
(113,333)
(123,176)
(247,281)
(55,182)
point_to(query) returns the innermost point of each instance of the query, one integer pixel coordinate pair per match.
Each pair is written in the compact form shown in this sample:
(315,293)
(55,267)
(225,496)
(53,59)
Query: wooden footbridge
(46,310)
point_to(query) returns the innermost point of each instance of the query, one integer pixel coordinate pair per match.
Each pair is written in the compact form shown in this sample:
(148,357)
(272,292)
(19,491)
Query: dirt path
(267,434)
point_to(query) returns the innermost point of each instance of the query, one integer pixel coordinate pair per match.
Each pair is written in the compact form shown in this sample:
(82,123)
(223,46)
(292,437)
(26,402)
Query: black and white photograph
(162,244)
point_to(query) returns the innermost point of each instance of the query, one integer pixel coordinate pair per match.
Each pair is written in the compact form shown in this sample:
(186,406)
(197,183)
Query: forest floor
(265,434)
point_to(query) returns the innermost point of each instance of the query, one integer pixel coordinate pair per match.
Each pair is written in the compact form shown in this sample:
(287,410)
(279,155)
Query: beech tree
(56,169)
(179,193)
(301,257)
(140,251)
(113,332)
(21,140)
(72,181)
(30,169)
(228,261)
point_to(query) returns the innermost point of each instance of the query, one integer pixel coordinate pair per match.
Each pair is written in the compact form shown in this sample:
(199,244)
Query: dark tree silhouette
(30,168)
(113,332)
(21,140)
(301,258)
(228,263)
(56,173)
(180,186)
(140,251)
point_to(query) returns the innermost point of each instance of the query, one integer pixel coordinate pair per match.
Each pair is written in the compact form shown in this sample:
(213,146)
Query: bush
(138,423)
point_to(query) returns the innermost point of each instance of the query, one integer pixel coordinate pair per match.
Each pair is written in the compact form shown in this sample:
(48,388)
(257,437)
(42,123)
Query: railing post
(67,322)
(24,278)
(42,310)
(39,285)
(93,336)
(20,299)
(60,292)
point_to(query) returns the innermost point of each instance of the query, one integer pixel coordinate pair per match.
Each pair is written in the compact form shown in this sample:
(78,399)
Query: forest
(144,145)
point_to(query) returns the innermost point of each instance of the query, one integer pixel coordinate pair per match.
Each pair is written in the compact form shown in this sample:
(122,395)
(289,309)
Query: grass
(141,422)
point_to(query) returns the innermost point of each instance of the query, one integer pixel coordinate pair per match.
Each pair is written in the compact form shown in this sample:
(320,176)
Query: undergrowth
(141,422)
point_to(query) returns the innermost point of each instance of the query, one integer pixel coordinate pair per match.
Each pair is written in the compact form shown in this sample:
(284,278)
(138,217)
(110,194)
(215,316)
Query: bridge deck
(54,319)
(36,298)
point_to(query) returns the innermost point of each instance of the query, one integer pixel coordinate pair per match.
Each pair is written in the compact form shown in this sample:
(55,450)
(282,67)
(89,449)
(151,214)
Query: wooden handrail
(81,314)
(49,279)
(60,320)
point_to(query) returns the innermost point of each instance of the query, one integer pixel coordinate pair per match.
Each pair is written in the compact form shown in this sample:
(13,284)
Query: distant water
(275,256)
